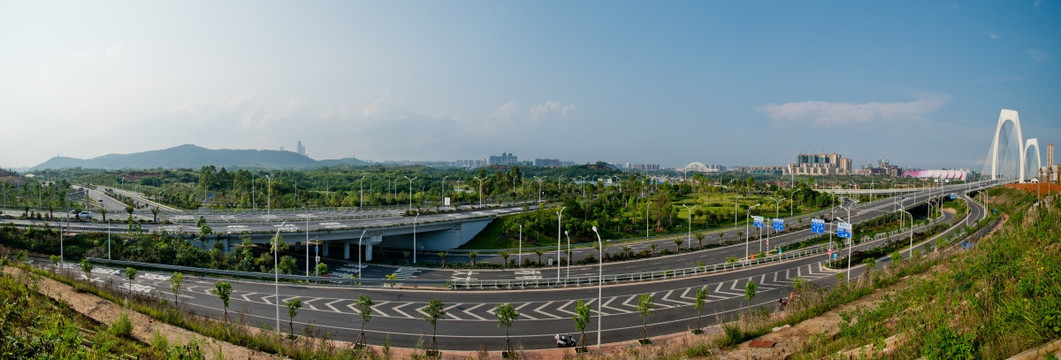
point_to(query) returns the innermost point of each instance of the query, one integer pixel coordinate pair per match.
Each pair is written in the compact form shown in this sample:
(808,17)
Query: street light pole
(307,241)
(559,215)
(519,256)
(362,196)
(442,199)
(689,235)
(269,196)
(901,215)
(410,195)
(777,213)
(568,276)
(540,187)
(649,204)
(747,235)
(852,240)
(480,191)
(600,283)
(276,273)
(359,252)
(414,235)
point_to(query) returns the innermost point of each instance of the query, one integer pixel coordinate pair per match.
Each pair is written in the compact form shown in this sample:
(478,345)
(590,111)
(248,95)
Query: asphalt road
(469,319)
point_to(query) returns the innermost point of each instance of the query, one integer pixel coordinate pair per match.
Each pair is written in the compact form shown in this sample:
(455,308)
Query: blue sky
(724,82)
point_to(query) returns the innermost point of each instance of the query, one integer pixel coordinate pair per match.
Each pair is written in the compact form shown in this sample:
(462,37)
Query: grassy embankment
(993,301)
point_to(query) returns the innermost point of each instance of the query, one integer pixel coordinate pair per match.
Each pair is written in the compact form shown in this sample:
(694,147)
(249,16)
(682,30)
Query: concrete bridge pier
(324,251)
(346,249)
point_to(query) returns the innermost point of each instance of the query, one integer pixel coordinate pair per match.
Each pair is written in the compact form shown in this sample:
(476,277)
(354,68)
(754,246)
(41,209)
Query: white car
(84,215)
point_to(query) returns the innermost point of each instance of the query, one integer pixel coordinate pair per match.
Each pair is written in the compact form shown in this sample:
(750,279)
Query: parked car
(84,215)
(563,341)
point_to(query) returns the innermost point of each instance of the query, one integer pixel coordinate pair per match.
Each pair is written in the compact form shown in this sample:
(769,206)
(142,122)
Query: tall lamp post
(362,196)
(747,236)
(852,240)
(770,230)
(276,273)
(689,235)
(902,215)
(540,187)
(735,201)
(480,191)
(269,196)
(442,199)
(359,252)
(414,235)
(648,205)
(559,215)
(600,283)
(307,241)
(410,195)
(568,236)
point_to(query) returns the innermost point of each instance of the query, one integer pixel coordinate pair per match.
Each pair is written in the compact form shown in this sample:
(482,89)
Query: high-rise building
(301,149)
(820,164)
(1050,154)
(503,159)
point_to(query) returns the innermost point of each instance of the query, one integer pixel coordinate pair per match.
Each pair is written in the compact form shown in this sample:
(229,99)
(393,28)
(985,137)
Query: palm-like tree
(699,240)
(434,311)
(504,257)
(678,244)
(539,252)
(364,309)
(292,309)
(472,255)
(645,305)
(442,255)
(506,315)
(223,291)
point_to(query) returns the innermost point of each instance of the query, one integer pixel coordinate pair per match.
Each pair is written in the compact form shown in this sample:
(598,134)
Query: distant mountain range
(195,157)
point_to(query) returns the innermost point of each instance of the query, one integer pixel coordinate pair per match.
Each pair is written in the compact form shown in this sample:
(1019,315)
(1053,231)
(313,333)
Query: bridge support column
(368,252)
(227,248)
(346,250)
(324,249)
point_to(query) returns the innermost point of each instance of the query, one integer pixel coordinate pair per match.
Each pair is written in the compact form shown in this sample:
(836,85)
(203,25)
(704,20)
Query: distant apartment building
(767,170)
(642,167)
(471,164)
(882,168)
(547,163)
(819,164)
(301,149)
(503,159)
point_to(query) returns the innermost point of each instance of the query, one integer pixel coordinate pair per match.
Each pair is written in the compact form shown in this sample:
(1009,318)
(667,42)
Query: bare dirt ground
(1042,188)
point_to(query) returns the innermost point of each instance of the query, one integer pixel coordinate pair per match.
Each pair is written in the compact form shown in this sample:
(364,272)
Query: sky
(718,82)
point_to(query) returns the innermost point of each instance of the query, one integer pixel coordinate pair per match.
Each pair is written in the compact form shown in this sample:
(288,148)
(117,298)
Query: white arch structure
(1011,116)
(1032,142)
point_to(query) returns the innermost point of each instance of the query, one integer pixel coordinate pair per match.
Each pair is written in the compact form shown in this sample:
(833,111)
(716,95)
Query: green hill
(194,157)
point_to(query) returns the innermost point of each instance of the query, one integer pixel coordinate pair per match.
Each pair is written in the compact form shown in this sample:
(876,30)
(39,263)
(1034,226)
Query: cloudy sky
(725,82)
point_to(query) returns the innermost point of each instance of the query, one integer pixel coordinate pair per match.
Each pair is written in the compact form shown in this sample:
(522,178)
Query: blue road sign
(843,230)
(779,224)
(952,196)
(817,226)
(757,221)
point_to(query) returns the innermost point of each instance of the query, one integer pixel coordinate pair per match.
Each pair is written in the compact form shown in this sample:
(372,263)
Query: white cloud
(823,113)
(1039,55)
(1037,3)
(567,110)
(512,111)
(508,111)
(385,104)
(992,35)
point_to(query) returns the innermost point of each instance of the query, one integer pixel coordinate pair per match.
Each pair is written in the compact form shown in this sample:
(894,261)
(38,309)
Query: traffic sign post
(843,230)
(757,221)
(779,224)
(817,226)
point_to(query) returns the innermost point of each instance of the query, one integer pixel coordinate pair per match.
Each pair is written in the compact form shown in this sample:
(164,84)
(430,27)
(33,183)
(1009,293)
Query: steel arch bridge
(1012,117)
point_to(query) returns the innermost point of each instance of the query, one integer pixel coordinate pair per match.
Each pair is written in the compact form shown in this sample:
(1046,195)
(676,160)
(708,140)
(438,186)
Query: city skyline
(667,83)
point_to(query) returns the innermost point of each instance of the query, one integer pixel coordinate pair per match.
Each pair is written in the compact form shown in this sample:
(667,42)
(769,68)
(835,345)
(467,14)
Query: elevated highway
(469,320)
